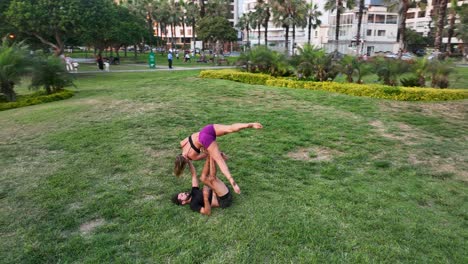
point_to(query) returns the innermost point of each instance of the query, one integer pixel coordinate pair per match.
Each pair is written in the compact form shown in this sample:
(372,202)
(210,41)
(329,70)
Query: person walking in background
(169,59)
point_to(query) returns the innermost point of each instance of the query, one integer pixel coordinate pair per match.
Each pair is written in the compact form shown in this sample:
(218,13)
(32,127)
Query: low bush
(244,77)
(371,90)
(35,98)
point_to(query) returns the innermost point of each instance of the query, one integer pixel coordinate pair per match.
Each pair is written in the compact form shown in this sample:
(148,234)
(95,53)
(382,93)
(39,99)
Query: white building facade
(378,32)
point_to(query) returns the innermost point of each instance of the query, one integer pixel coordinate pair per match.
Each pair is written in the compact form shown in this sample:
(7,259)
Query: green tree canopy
(49,21)
(214,29)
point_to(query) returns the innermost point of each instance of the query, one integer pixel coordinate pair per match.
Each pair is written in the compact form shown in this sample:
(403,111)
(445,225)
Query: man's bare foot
(257,125)
(236,188)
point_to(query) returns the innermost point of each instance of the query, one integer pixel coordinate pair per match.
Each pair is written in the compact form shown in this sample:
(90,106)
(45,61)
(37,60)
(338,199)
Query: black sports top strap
(193,145)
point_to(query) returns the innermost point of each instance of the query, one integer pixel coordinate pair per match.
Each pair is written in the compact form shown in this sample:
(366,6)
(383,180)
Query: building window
(370,18)
(181,32)
(392,19)
(381,33)
(380,19)
(189,31)
(369,32)
(410,15)
(422,14)
(316,33)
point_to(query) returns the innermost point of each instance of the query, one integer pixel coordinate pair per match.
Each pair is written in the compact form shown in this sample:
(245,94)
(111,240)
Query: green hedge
(368,90)
(244,77)
(36,98)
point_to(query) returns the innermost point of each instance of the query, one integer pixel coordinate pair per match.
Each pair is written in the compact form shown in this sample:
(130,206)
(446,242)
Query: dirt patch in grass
(314,154)
(457,110)
(406,134)
(439,164)
(88,227)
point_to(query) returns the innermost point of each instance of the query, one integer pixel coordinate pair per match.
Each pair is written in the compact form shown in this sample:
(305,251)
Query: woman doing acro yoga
(202,144)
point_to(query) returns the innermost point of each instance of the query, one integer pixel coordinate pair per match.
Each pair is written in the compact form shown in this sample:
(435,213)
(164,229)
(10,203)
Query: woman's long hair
(179,165)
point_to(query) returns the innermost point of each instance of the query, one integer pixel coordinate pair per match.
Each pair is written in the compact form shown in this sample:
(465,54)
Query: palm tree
(263,9)
(402,8)
(358,33)
(192,16)
(340,7)
(254,23)
(442,14)
(454,8)
(243,24)
(13,65)
(282,16)
(299,9)
(462,29)
(313,15)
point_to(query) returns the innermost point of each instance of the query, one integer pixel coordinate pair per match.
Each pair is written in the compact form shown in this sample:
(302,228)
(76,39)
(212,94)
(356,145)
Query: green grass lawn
(330,179)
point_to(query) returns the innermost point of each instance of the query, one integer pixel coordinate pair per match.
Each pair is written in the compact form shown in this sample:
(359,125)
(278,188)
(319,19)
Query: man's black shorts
(226,200)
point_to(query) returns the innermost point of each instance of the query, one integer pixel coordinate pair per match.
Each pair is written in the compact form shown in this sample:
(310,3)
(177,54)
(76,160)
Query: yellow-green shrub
(233,75)
(368,90)
(36,98)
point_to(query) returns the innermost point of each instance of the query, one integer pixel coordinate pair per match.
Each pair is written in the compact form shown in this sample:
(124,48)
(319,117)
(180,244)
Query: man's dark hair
(175,199)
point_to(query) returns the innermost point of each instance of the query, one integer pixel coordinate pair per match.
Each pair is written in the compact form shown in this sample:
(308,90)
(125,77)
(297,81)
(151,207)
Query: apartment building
(276,33)
(422,19)
(378,32)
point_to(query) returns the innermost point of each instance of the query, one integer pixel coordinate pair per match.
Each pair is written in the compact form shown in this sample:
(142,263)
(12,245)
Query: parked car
(420,52)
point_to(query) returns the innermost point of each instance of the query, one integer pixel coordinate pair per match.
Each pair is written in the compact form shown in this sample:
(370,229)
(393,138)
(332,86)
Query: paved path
(160,68)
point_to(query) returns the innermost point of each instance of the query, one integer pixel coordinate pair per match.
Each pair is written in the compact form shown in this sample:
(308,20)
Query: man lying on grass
(202,201)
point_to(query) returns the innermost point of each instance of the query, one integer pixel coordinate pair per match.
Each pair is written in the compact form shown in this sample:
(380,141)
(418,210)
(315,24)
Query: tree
(243,24)
(216,29)
(462,28)
(299,14)
(50,73)
(49,21)
(358,33)
(5,27)
(340,7)
(13,66)
(313,15)
(192,15)
(283,16)
(97,31)
(454,9)
(264,13)
(442,15)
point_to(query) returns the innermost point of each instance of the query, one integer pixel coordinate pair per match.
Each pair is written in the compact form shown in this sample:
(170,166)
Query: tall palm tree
(340,6)
(283,16)
(299,15)
(461,29)
(402,8)
(191,17)
(254,23)
(358,33)
(243,24)
(262,7)
(454,8)
(440,24)
(313,15)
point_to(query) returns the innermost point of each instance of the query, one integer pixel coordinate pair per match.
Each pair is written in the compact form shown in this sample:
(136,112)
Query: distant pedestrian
(100,62)
(177,54)
(169,59)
